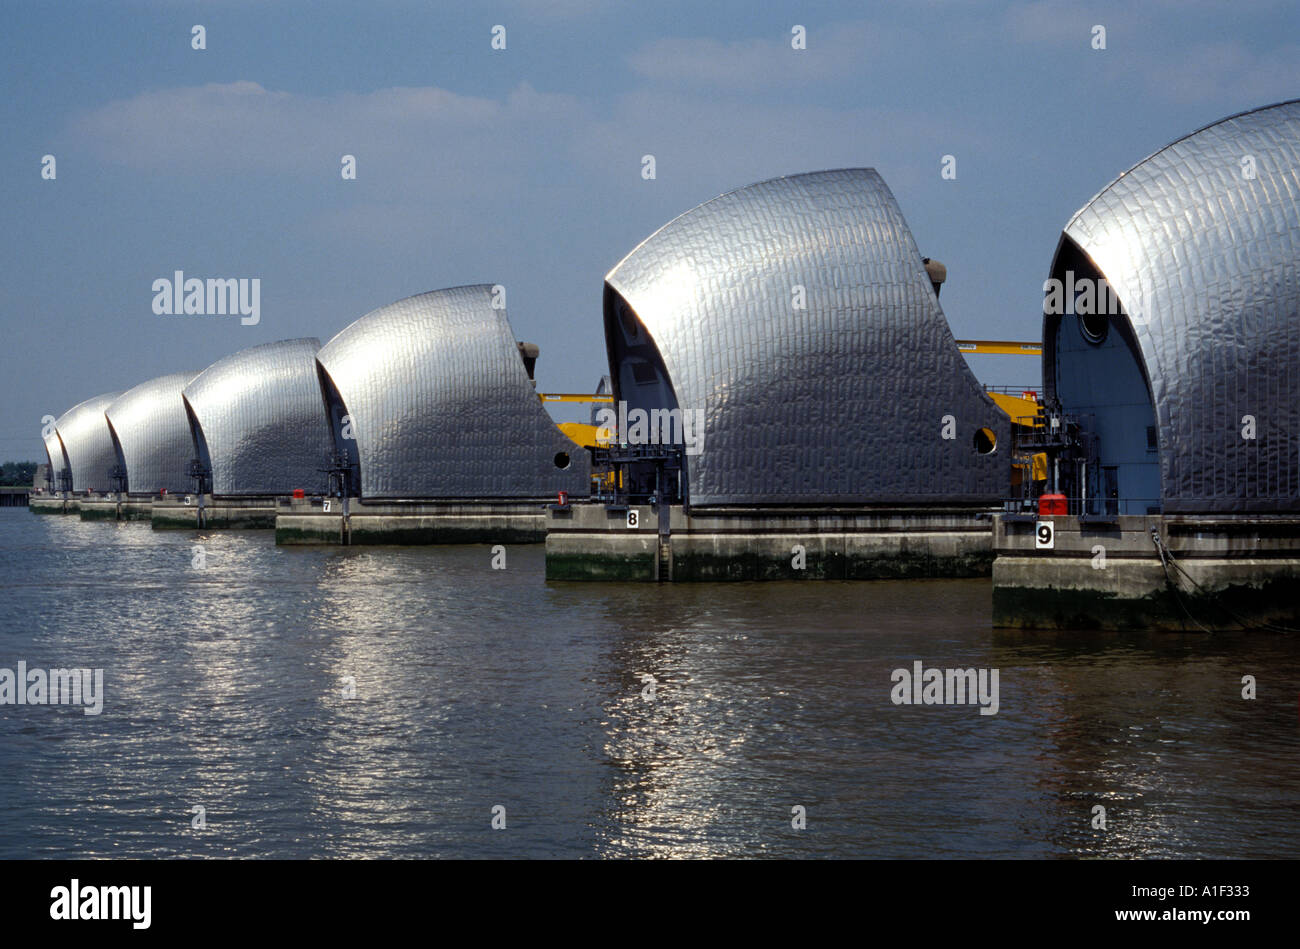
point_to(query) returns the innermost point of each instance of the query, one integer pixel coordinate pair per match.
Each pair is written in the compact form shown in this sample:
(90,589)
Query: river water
(389,702)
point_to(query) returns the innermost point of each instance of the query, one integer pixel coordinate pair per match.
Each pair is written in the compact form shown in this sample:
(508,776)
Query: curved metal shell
(258,420)
(1201,244)
(441,405)
(58,458)
(841,401)
(87,444)
(152,437)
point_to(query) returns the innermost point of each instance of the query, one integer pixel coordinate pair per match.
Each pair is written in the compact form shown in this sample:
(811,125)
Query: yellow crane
(573,397)
(585,435)
(1024,409)
(999,347)
(577,432)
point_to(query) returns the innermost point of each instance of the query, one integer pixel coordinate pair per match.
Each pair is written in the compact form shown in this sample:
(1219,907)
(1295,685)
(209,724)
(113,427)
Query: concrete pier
(1217,573)
(611,542)
(115,507)
(192,512)
(51,504)
(305,521)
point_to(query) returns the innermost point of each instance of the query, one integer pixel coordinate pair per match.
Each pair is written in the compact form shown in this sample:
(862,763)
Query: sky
(523,166)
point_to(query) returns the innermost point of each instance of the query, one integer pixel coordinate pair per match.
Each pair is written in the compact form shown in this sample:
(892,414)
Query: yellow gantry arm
(999,347)
(573,397)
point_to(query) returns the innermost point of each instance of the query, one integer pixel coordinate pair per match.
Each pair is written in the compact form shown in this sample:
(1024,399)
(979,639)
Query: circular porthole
(1094,327)
(562,459)
(985,441)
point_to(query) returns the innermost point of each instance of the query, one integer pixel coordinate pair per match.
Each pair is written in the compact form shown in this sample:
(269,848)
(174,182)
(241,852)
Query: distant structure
(58,472)
(438,433)
(257,424)
(87,445)
(439,403)
(604,387)
(151,436)
(1186,395)
(799,317)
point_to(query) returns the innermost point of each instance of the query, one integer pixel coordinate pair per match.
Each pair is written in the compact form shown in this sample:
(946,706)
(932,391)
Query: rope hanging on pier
(1167,560)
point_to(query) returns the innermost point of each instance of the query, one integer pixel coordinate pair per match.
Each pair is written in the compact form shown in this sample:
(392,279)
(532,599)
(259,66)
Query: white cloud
(1054,22)
(1223,72)
(1140,53)
(241,126)
(834,52)
(727,144)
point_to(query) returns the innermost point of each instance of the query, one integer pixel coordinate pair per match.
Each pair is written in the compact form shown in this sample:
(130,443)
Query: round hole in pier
(985,441)
(562,459)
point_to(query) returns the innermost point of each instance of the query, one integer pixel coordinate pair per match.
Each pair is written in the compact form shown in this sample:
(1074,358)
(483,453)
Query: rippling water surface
(225,688)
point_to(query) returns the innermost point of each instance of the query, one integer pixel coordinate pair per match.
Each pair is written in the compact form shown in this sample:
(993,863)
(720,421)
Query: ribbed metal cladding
(58,461)
(83,429)
(842,402)
(260,414)
(442,407)
(153,435)
(1206,262)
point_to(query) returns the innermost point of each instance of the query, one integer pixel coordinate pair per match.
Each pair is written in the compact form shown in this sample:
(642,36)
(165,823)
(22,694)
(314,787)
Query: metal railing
(1077,506)
(1035,391)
